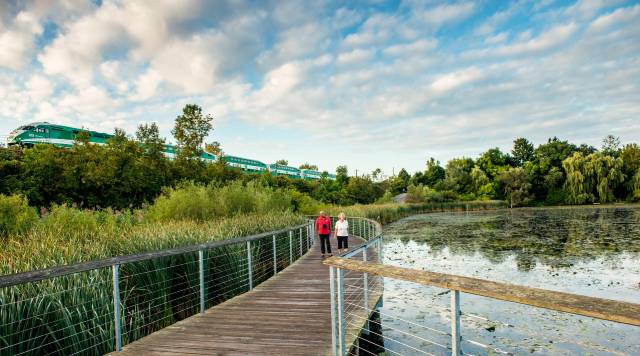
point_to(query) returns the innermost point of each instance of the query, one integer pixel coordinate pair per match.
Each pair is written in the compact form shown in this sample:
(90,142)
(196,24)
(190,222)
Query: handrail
(605,309)
(59,271)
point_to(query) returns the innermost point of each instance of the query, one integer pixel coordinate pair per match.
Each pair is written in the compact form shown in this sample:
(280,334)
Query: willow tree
(575,183)
(592,178)
(635,186)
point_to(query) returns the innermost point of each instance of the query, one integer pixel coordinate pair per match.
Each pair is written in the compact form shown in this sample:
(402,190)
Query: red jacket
(323,225)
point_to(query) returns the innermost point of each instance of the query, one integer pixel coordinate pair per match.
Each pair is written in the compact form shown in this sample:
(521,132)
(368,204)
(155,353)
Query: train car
(309,174)
(280,170)
(44,132)
(245,164)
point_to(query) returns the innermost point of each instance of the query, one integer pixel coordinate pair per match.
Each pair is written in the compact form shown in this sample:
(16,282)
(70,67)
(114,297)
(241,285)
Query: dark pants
(343,242)
(324,240)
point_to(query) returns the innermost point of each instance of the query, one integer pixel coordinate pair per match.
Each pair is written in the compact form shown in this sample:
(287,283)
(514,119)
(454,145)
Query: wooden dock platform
(289,314)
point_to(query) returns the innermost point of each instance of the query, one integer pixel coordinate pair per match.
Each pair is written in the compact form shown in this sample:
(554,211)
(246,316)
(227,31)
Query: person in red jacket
(323,227)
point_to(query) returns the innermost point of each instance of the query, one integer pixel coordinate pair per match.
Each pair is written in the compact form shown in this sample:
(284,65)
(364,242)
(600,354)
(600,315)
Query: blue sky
(371,84)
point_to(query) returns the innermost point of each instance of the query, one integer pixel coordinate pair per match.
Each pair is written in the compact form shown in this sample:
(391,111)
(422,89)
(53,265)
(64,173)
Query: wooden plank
(288,314)
(606,309)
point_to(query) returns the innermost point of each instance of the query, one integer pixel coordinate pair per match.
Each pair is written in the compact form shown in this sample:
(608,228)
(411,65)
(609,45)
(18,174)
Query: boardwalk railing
(97,307)
(355,294)
(416,338)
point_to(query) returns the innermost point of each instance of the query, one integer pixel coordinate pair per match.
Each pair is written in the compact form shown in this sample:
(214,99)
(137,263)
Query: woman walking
(323,227)
(341,232)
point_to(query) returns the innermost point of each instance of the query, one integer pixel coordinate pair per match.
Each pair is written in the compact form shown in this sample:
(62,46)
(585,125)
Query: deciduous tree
(190,130)
(522,151)
(516,186)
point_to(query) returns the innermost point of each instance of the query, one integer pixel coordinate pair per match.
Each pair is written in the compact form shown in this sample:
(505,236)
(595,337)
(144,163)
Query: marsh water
(593,251)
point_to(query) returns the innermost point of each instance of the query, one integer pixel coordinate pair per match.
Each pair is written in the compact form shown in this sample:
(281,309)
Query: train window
(27,128)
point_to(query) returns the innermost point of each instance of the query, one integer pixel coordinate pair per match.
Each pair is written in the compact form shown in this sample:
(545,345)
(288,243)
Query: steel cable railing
(360,326)
(99,306)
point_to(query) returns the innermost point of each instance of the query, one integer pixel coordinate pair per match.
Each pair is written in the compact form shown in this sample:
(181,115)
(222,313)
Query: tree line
(131,171)
(555,172)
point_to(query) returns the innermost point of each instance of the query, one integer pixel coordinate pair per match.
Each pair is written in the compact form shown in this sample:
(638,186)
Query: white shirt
(342,228)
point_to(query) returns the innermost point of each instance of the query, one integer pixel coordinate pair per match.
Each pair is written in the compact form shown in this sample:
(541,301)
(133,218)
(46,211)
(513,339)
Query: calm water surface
(582,250)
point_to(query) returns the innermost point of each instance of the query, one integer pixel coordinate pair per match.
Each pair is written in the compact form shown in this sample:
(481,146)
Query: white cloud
(498,38)
(91,101)
(406,49)
(550,39)
(75,53)
(588,8)
(146,85)
(39,87)
(356,56)
(455,79)
(617,17)
(17,43)
(446,14)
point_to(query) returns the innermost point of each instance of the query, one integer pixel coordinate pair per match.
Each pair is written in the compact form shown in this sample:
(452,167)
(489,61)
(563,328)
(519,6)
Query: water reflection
(558,237)
(591,251)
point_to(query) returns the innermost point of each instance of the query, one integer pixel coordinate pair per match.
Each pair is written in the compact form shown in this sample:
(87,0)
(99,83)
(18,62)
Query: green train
(64,136)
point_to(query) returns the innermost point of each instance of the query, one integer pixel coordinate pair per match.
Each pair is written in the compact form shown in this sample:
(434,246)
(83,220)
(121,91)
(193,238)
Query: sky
(371,84)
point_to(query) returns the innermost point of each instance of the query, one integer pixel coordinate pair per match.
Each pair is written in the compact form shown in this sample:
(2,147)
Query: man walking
(323,227)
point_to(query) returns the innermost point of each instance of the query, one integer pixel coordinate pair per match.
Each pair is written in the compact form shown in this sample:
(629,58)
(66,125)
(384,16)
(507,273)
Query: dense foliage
(555,172)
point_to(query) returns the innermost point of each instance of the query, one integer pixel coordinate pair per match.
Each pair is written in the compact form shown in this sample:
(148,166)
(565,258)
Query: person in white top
(341,232)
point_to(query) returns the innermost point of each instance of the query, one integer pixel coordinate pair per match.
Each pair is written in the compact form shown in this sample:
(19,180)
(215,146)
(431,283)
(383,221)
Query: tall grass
(16,216)
(73,314)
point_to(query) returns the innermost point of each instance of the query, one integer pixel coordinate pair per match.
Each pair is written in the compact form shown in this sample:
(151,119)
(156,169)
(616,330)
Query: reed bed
(73,314)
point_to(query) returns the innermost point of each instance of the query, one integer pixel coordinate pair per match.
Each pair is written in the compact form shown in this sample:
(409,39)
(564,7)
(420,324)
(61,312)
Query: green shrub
(16,216)
(201,203)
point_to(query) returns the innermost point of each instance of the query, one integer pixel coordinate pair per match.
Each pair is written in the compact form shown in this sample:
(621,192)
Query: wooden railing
(600,308)
(605,309)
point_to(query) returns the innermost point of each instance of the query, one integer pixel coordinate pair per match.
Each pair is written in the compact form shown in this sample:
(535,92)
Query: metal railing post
(115,269)
(275,258)
(341,318)
(334,320)
(249,265)
(365,277)
(300,239)
(201,277)
(455,323)
(290,247)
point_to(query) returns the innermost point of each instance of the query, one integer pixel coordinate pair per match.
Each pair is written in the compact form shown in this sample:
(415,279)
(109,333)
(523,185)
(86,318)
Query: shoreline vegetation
(64,205)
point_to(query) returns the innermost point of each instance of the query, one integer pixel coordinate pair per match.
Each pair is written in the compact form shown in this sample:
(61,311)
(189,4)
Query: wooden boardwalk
(289,314)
